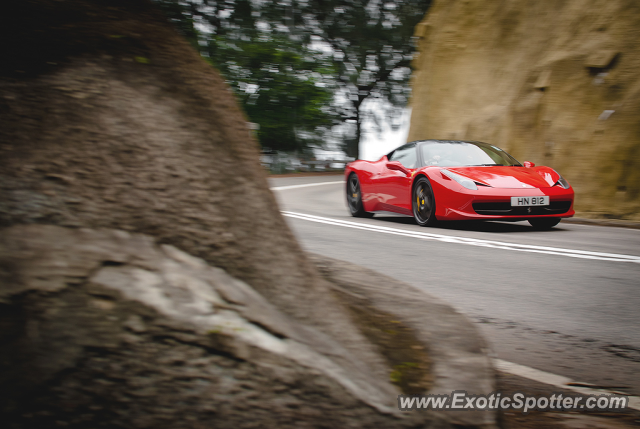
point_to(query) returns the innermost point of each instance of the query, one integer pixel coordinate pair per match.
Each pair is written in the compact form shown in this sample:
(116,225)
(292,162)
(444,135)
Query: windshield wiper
(486,165)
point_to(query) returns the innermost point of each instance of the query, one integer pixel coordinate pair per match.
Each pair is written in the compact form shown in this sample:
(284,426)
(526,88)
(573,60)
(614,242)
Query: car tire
(354,197)
(544,223)
(423,202)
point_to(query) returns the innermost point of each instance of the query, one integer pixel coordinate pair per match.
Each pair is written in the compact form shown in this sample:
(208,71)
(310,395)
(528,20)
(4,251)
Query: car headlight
(562,182)
(467,183)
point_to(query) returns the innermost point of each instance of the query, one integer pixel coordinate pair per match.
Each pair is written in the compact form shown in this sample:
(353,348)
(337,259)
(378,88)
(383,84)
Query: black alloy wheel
(354,197)
(424,203)
(544,222)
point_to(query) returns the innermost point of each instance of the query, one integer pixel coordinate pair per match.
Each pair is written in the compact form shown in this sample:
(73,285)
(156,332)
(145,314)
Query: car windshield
(461,154)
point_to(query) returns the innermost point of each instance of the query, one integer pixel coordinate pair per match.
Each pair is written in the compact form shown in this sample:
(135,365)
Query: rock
(458,355)
(146,333)
(103,327)
(147,277)
(535,78)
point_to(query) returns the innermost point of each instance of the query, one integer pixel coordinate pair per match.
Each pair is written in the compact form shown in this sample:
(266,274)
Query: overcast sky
(373,145)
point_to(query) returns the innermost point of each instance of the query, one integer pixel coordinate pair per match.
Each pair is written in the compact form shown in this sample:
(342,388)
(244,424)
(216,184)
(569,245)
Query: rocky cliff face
(555,83)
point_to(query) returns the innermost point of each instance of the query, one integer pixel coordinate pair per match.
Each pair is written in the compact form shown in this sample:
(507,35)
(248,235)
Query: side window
(406,155)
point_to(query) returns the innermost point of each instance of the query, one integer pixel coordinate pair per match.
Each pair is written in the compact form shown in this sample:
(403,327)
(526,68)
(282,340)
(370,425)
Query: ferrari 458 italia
(434,180)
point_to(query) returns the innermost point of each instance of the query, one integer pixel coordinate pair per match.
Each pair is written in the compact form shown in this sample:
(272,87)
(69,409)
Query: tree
(284,88)
(370,42)
(372,49)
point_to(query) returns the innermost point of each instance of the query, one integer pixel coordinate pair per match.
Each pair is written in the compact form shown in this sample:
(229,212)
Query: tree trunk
(353,145)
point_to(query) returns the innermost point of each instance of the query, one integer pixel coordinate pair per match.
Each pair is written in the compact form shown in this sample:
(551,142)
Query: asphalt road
(565,301)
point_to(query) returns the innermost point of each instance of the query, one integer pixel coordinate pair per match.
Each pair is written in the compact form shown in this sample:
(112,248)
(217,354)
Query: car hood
(510,177)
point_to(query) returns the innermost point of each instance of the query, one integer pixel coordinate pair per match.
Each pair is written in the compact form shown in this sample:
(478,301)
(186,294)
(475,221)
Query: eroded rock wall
(110,120)
(147,278)
(555,83)
(106,328)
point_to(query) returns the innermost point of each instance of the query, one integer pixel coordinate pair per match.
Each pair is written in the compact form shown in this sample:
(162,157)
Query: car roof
(447,141)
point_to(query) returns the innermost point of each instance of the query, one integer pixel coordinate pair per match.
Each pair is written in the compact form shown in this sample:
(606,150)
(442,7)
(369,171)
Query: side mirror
(529,164)
(395,165)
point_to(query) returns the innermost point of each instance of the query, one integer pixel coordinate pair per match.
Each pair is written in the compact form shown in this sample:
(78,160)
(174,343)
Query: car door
(396,183)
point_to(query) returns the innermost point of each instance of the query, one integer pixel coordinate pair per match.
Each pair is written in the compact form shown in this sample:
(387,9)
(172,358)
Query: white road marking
(557,380)
(501,365)
(558,251)
(281,188)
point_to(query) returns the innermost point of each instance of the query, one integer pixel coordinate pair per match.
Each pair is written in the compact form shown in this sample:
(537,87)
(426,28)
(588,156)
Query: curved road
(565,301)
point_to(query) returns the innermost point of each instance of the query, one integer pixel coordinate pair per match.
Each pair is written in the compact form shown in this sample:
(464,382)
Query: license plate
(529,201)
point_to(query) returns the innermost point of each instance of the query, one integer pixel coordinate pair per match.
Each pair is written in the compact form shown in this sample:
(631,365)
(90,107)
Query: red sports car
(435,180)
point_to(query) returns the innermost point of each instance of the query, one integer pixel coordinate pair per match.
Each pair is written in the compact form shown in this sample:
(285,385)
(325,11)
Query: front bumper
(495,203)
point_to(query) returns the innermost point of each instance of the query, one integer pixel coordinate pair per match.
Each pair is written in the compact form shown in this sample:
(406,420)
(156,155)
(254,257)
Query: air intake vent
(505,209)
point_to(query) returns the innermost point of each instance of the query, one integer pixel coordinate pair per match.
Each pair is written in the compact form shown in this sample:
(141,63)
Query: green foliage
(181,14)
(367,44)
(283,87)
(372,41)
(401,372)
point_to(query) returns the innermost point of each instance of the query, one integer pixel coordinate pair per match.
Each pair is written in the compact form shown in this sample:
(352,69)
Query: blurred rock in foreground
(147,277)
(105,327)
